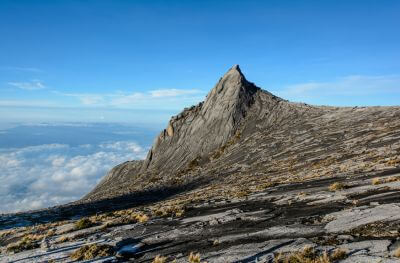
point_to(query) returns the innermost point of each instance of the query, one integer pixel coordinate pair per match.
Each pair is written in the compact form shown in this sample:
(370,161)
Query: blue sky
(142,61)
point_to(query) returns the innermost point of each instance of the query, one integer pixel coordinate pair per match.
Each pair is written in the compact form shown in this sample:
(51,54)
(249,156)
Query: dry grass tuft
(194,258)
(92,251)
(309,255)
(172,210)
(50,233)
(159,259)
(83,223)
(390,179)
(141,218)
(397,253)
(337,186)
(376,181)
(62,239)
(26,243)
(124,218)
(338,254)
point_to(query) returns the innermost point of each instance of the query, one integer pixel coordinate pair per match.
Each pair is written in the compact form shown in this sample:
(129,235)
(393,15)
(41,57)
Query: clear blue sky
(141,61)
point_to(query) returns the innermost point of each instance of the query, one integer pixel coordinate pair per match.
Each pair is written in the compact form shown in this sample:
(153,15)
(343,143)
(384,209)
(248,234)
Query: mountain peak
(232,87)
(185,137)
(235,68)
(234,72)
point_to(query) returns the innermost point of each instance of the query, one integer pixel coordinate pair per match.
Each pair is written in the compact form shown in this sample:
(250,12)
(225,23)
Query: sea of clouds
(44,175)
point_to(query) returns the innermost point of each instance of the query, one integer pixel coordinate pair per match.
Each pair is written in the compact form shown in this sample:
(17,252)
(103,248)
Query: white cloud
(355,85)
(31,85)
(150,99)
(45,175)
(27,103)
(162,93)
(85,98)
(28,69)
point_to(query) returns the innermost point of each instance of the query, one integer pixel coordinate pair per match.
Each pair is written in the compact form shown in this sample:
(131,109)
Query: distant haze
(47,164)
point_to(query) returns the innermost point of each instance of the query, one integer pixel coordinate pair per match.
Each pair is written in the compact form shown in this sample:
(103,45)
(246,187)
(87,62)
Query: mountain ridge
(240,125)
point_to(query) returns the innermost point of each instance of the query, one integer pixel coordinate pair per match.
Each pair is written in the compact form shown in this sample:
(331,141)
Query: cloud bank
(50,174)
(31,85)
(350,87)
(159,98)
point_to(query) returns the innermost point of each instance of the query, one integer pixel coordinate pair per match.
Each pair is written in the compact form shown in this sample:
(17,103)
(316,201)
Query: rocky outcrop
(242,177)
(241,133)
(199,130)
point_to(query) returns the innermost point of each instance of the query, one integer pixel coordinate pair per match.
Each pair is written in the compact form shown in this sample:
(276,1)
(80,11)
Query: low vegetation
(159,259)
(126,218)
(26,243)
(397,253)
(309,255)
(92,251)
(338,254)
(171,210)
(337,186)
(194,257)
(62,239)
(83,223)
(390,179)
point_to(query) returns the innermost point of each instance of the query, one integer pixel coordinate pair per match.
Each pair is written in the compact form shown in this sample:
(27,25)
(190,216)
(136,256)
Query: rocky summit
(244,176)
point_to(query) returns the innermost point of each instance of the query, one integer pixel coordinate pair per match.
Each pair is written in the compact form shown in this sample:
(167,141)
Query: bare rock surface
(352,218)
(244,176)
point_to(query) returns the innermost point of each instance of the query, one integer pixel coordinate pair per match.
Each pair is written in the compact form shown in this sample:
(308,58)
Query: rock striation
(199,130)
(242,133)
(244,176)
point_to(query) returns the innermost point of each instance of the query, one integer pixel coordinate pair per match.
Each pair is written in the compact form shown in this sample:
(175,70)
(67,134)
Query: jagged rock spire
(188,135)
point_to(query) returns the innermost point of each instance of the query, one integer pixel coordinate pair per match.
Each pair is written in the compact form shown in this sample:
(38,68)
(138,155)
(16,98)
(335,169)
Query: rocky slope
(242,134)
(243,177)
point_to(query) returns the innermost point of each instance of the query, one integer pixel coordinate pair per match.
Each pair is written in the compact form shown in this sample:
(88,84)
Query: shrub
(83,223)
(92,251)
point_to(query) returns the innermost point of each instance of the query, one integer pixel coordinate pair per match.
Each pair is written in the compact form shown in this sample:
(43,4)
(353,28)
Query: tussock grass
(126,219)
(26,243)
(92,251)
(172,210)
(62,239)
(390,179)
(194,257)
(83,223)
(337,186)
(159,259)
(397,253)
(376,181)
(309,255)
(338,254)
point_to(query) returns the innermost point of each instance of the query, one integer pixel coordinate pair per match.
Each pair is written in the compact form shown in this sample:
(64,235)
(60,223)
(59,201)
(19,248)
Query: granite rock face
(199,130)
(242,177)
(241,133)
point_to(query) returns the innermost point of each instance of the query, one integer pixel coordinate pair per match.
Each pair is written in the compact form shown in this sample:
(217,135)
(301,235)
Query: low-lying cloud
(347,88)
(50,174)
(30,85)
(160,98)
